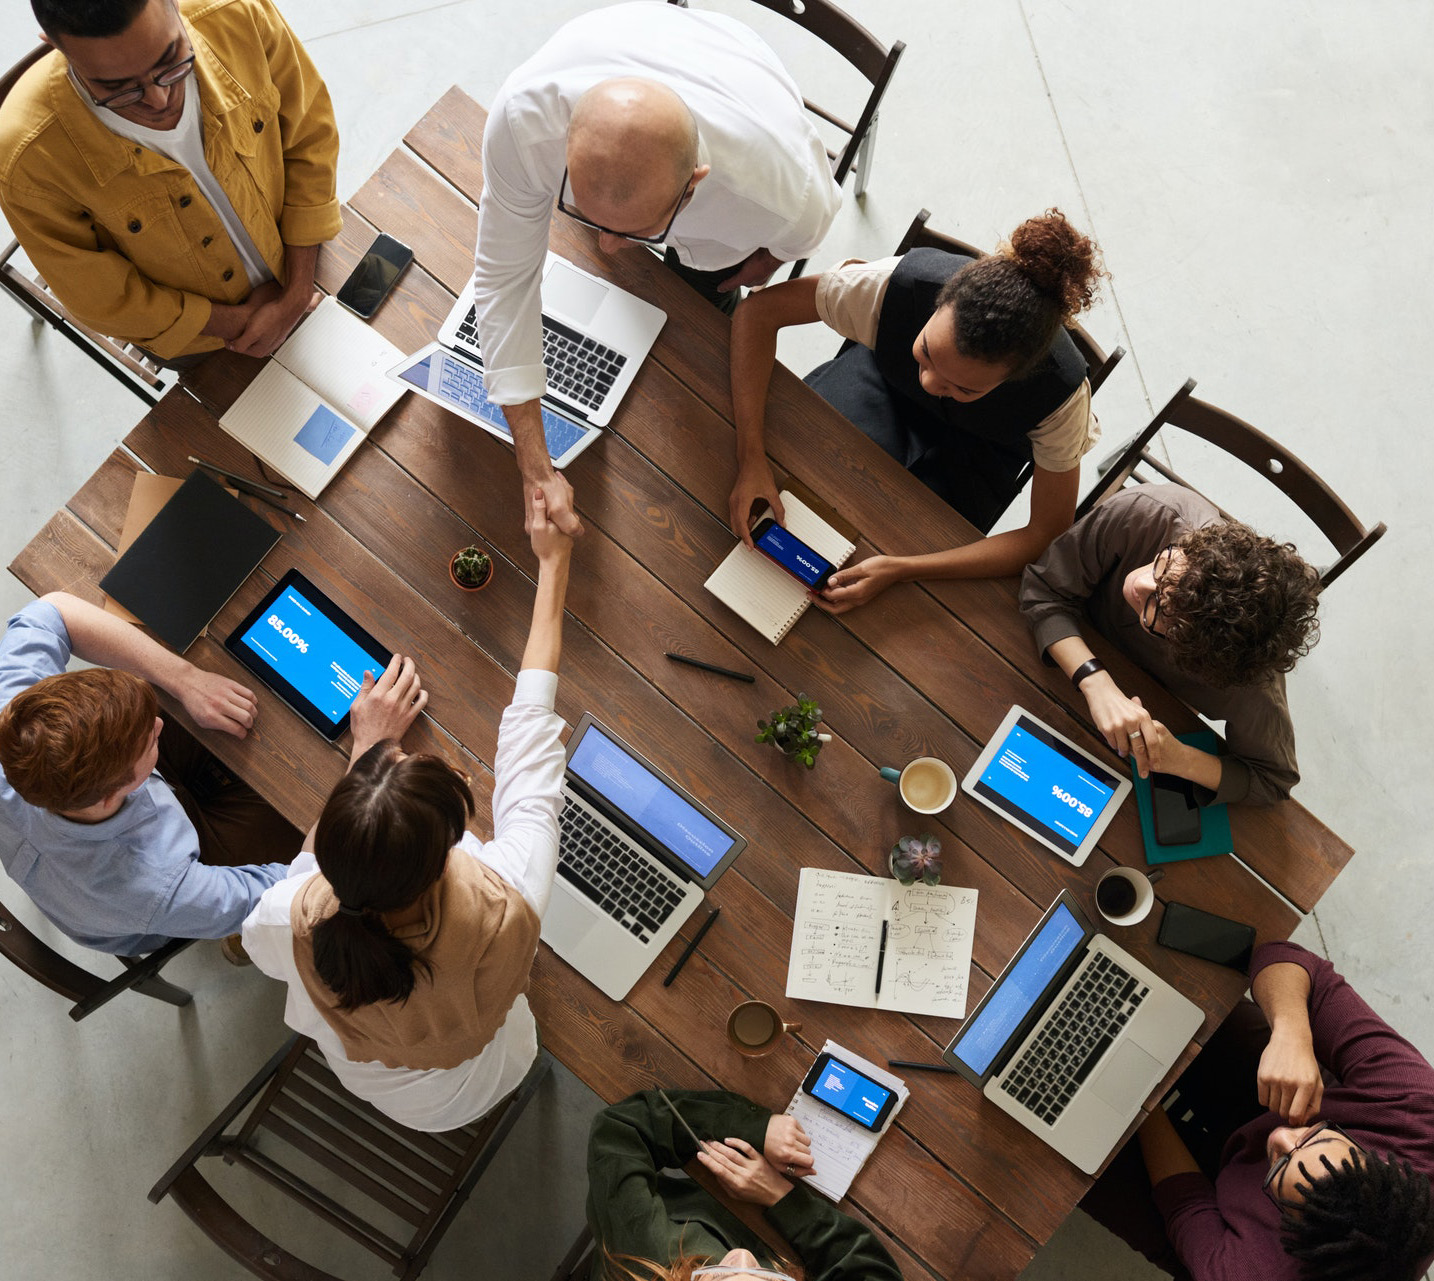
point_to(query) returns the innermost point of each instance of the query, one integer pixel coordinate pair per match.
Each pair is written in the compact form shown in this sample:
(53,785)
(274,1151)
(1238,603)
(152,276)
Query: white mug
(1140,884)
(927,785)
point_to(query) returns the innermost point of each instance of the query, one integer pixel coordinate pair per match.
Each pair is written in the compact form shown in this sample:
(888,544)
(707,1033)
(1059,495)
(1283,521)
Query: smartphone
(793,555)
(376,274)
(1177,813)
(1210,937)
(857,1097)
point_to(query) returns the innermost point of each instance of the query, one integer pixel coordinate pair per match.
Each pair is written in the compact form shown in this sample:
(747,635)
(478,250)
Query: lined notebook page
(345,361)
(768,597)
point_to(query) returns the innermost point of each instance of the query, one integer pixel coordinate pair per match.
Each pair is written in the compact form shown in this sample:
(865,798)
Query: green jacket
(635,1209)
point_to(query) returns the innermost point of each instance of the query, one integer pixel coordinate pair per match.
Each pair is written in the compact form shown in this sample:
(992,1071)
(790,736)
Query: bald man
(654,125)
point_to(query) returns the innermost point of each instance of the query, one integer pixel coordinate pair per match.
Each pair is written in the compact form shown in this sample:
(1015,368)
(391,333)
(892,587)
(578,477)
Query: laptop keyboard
(1078,1032)
(578,366)
(617,876)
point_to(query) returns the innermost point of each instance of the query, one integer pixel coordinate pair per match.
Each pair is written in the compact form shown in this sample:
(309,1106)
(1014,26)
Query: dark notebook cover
(189,561)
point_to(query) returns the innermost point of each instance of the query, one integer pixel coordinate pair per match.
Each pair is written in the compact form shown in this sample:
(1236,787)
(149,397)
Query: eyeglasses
(732,1270)
(171,75)
(1150,611)
(1321,1129)
(565,208)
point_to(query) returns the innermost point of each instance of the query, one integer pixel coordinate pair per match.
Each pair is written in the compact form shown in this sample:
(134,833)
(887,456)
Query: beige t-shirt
(849,299)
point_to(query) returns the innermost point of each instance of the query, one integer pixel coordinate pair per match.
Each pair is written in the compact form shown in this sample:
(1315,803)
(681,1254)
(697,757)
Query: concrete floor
(1259,177)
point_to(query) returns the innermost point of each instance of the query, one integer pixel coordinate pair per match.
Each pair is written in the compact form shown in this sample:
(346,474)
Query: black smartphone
(376,274)
(855,1095)
(1210,937)
(1177,813)
(793,555)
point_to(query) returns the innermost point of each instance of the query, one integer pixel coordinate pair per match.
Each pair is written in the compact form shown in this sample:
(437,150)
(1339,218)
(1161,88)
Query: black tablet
(308,651)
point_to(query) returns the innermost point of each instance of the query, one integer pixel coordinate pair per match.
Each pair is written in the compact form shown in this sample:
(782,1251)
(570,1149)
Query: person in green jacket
(652,1226)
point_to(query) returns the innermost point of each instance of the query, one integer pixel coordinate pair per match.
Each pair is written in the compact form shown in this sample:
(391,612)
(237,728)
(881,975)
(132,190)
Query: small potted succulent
(471,569)
(917,858)
(794,730)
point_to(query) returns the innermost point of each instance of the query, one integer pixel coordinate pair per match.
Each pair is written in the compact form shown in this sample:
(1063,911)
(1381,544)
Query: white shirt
(184,144)
(770,187)
(527,796)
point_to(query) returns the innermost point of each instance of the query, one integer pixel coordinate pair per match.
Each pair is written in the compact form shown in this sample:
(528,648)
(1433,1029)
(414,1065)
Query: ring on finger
(790,1168)
(1135,733)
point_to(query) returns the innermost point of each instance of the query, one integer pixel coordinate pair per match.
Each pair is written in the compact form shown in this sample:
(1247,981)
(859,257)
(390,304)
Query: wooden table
(956,1189)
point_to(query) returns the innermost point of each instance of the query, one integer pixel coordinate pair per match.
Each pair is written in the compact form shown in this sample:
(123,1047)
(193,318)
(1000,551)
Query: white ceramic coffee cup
(1141,883)
(932,781)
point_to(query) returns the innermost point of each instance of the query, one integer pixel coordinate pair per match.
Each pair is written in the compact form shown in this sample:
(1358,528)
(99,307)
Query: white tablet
(438,374)
(1046,785)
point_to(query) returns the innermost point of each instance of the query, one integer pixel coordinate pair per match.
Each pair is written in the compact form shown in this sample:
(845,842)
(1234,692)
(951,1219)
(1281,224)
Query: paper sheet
(344,360)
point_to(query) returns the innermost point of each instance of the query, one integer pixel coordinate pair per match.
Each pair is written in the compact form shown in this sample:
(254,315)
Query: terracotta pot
(463,587)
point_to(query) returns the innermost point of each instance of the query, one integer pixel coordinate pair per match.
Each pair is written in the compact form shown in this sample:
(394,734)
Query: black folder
(189,560)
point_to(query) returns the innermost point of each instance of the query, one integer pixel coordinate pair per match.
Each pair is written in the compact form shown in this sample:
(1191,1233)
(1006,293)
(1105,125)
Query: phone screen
(792,554)
(842,1087)
(377,272)
(1177,816)
(1210,937)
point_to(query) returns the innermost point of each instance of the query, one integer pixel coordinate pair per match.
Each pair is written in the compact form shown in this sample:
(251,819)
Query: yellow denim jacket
(122,234)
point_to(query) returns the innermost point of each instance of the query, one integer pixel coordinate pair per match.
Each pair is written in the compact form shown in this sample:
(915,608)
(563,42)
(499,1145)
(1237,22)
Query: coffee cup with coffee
(754,1028)
(1124,895)
(927,785)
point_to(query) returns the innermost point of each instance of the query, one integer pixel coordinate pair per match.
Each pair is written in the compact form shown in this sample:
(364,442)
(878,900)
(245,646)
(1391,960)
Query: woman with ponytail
(405,940)
(960,368)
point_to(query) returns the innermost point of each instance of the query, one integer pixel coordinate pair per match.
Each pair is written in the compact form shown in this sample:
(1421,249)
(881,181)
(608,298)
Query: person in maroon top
(1317,1120)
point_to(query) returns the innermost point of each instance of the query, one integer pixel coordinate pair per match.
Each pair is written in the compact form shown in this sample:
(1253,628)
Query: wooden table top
(956,1188)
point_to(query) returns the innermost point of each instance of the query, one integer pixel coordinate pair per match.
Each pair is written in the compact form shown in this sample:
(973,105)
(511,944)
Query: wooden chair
(88,991)
(419,1179)
(1349,537)
(577,1263)
(873,60)
(128,363)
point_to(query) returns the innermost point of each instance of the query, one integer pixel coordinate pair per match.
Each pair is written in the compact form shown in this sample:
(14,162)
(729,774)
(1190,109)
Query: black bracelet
(1087,668)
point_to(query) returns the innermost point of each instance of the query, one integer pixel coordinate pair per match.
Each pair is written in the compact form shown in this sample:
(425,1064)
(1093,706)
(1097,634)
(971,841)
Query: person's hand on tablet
(386,707)
(216,702)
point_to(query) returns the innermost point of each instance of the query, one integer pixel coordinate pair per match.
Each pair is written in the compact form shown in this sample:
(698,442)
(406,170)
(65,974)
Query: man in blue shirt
(119,856)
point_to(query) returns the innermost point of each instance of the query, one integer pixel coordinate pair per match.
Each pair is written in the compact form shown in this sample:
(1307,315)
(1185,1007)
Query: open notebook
(314,403)
(768,597)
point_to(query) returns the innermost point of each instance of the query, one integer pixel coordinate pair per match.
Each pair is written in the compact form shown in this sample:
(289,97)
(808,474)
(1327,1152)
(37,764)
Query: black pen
(240,482)
(692,947)
(922,1067)
(712,667)
(881,958)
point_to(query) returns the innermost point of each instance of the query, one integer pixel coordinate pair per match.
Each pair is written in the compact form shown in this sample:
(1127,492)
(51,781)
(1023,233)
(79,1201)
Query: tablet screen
(1045,783)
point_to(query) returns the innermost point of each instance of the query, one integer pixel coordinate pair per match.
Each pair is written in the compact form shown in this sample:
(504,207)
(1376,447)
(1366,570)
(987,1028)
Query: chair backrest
(362,1158)
(920,236)
(1291,476)
(12,77)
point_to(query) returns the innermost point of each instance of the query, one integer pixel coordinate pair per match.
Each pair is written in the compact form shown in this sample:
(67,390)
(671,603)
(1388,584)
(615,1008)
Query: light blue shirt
(131,883)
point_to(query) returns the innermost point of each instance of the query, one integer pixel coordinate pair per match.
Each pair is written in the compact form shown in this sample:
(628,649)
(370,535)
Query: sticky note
(324,434)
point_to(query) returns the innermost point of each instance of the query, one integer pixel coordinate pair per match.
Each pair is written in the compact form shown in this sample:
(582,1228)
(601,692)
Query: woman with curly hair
(960,368)
(1214,611)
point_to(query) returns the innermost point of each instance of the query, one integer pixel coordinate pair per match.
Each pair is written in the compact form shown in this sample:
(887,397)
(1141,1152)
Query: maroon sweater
(1383,1096)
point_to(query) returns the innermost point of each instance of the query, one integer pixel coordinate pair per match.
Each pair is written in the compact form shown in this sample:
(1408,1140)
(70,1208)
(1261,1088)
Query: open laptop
(1073,1036)
(637,855)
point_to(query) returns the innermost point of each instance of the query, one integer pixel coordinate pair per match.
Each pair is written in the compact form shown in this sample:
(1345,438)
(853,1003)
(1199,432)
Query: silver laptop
(637,856)
(1073,1036)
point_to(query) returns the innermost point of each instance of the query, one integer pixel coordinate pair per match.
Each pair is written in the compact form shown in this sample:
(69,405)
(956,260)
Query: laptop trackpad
(1126,1077)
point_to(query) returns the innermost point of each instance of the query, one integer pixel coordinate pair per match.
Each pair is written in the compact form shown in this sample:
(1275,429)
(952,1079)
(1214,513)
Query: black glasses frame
(1150,610)
(1280,1165)
(165,79)
(569,211)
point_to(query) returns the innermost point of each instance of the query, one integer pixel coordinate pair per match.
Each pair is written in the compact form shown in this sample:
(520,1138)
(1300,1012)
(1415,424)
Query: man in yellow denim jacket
(125,236)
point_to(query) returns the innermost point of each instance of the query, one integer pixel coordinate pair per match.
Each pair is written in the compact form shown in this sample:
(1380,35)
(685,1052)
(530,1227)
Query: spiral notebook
(766,596)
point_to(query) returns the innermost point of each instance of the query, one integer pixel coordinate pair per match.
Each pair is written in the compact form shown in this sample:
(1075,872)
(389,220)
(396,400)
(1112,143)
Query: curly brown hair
(1008,306)
(1243,607)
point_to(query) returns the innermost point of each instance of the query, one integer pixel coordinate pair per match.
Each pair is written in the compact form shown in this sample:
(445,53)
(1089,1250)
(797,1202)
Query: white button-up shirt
(770,187)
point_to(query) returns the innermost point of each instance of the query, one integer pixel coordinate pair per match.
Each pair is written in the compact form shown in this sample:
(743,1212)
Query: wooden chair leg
(574,1259)
(142,975)
(862,171)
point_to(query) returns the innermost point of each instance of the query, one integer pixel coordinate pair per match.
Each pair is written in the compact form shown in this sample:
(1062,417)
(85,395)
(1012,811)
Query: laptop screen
(648,801)
(1017,991)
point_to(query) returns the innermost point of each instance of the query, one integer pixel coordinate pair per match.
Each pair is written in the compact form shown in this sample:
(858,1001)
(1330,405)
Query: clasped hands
(760,1177)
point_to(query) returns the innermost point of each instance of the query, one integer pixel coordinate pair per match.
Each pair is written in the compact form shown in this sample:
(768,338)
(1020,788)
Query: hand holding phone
(785,549)
(856,1096)
(375,276)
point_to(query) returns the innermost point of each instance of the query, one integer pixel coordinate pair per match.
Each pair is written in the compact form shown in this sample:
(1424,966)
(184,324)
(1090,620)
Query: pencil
(712,667)
(254,487)
(922,1067)
(692,946)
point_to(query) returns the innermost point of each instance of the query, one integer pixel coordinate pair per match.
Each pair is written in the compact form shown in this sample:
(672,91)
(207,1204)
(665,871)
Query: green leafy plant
(471,568)
(916,858)
(794,730)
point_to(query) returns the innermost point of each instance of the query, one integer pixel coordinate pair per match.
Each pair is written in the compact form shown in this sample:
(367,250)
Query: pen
(208,406)
(881,958)
(712,667)
(240,482)
(702,1146)
(690,948)
(922,1067)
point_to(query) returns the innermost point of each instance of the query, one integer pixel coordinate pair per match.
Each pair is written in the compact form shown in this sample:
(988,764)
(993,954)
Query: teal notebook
(1214,819)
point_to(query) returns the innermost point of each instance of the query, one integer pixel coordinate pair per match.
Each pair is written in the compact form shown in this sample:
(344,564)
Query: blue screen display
(793,555)
(314,655)
(633,789)
(850,1093)
(1018,989)
(1038,779)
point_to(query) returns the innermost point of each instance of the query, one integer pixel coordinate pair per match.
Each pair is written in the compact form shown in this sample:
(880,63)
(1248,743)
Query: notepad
(840,1147)
(1215,838)
(836,943)
(766,596)
(317,400)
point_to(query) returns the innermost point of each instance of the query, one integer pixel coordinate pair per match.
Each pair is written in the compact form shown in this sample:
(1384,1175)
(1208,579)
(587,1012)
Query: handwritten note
(836,942)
